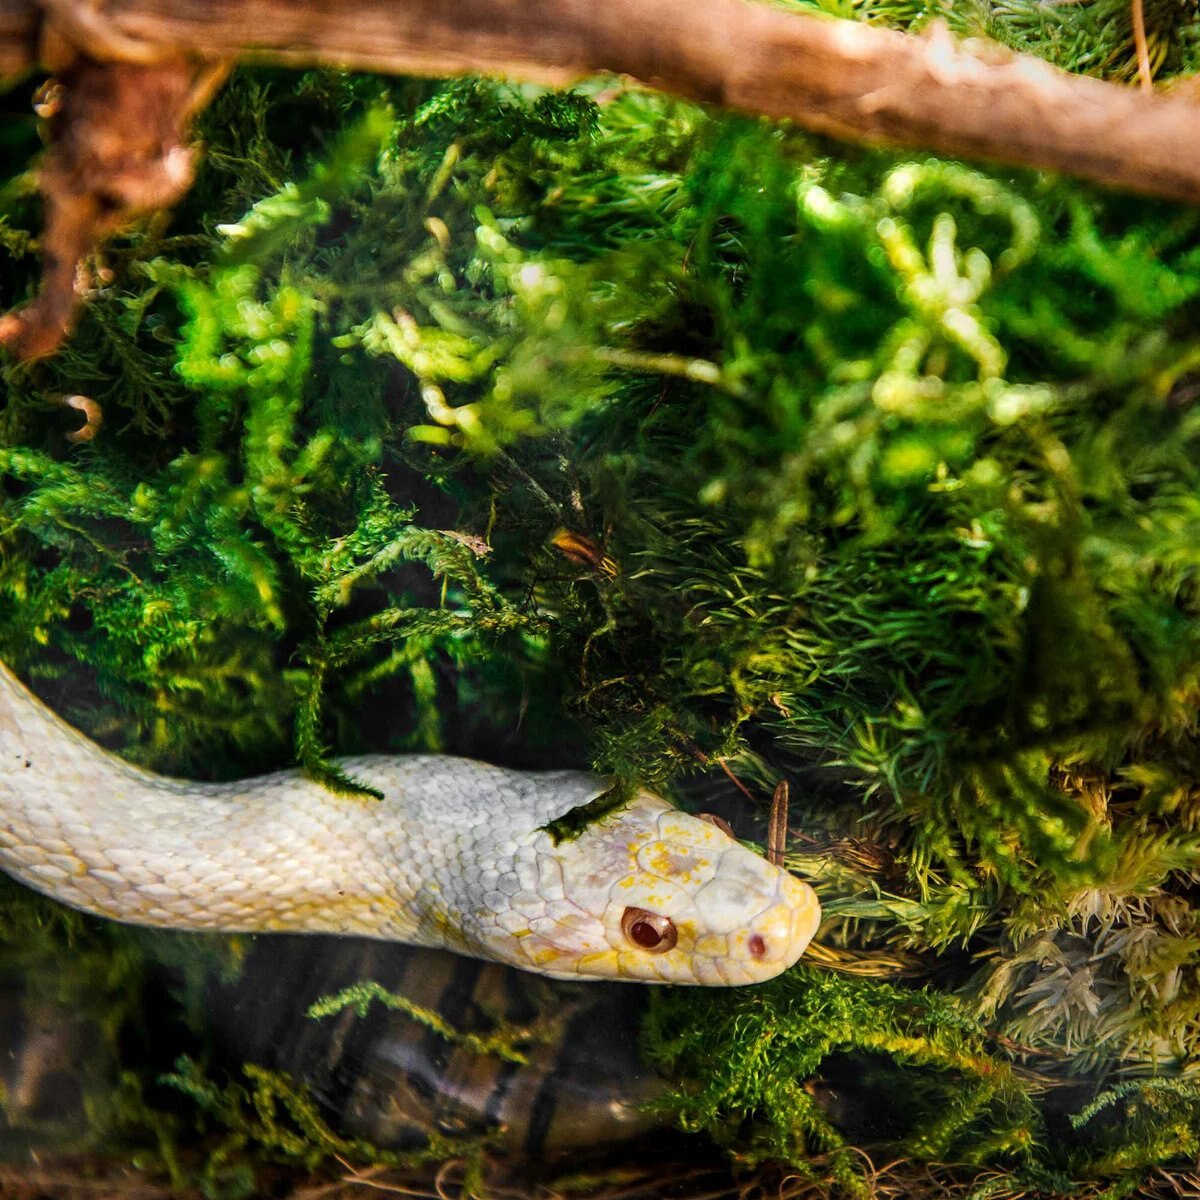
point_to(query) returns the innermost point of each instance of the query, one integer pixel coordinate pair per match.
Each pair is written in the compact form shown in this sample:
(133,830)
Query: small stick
(737,783)
(777,827)
(1143,49)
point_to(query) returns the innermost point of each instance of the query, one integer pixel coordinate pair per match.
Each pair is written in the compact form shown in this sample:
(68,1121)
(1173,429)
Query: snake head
(649,893)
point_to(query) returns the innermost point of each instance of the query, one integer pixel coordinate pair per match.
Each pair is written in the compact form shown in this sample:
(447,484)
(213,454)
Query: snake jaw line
(457,854)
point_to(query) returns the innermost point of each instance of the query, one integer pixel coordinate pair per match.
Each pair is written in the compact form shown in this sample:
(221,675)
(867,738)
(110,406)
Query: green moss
(275,1117)
(504,1041)
(749,1057)
(573,822)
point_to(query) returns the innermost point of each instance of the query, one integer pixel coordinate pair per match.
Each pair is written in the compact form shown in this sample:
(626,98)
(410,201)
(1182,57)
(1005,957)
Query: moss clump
(268,1114)
(921,1071)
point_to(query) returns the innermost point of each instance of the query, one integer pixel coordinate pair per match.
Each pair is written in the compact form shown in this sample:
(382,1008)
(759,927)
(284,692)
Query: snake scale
(456,854)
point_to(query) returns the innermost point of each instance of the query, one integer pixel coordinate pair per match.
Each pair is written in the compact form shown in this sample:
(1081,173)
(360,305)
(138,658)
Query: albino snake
(454,855)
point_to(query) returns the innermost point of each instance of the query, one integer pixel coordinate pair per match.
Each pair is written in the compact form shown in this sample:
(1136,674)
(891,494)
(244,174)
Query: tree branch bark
(841,78)
(19,23)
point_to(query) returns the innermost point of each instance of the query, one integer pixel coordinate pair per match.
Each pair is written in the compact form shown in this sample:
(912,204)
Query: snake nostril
(758,948)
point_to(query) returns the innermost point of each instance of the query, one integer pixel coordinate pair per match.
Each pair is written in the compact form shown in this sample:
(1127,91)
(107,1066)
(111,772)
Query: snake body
(456,854)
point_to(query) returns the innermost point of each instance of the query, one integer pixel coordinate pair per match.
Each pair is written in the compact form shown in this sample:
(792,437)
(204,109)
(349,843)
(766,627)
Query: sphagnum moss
(891,465)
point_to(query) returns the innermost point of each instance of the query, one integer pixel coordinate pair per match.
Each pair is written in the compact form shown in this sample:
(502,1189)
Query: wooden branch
(842,78)
(19,23)
(120,150)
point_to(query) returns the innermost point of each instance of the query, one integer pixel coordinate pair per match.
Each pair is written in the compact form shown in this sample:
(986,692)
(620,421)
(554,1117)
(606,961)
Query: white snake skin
(454,855)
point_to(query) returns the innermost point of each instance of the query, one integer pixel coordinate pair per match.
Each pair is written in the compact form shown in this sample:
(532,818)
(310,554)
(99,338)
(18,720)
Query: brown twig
(737,783)
(838,77)
(1142,47)
(842,78)
(777,826)
(120,150)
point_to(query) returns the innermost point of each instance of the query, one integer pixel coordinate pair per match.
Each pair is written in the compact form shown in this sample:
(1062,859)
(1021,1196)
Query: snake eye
(648,930)
(720,822)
